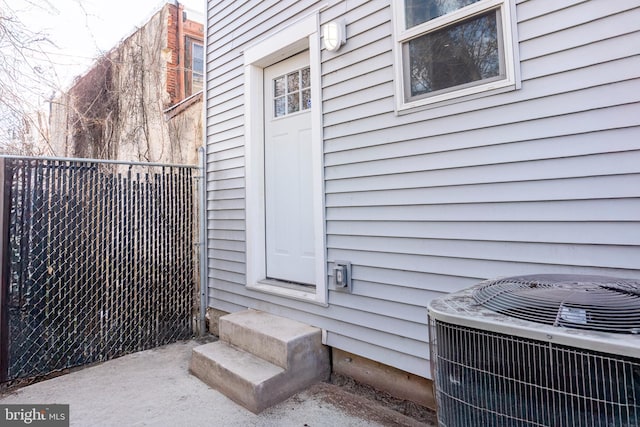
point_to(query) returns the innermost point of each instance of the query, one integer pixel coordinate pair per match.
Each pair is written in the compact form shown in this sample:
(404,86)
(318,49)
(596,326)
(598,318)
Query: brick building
(185,41)
(142,101)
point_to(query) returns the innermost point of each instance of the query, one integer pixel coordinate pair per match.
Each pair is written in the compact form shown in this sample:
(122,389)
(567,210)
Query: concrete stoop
(261,359)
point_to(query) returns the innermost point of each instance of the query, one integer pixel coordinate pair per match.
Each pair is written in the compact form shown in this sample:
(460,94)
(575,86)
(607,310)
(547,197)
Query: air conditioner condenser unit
(539,350)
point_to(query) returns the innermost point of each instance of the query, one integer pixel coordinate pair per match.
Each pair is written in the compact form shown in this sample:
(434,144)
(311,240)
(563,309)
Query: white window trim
(511,58)
(300,35)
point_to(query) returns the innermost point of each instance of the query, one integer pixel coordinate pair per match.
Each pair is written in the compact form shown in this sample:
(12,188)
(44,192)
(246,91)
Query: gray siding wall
(545,179)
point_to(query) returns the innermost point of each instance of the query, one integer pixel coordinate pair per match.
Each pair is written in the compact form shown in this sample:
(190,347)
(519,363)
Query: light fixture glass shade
(333,35)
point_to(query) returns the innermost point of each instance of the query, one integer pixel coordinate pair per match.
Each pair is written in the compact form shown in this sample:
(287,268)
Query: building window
(197,67)
(452,48)
(194,73)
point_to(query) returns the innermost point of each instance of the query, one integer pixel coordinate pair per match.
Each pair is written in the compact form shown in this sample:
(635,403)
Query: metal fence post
(202,209)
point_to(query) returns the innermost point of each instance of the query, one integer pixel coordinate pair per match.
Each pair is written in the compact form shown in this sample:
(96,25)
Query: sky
(81,30)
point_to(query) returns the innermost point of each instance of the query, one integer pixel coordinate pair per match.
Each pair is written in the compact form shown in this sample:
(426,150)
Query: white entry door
(288,171)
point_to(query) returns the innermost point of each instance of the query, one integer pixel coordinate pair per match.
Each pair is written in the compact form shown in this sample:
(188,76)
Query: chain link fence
(98,260)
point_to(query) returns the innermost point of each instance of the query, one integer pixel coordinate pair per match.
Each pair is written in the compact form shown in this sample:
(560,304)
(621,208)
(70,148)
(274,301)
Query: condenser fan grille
(584,302)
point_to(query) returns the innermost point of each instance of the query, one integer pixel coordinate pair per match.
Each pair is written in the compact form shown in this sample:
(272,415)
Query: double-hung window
(197,67)
(194,66)
(448,49)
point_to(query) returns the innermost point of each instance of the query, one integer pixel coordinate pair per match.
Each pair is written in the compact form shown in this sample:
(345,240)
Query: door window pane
(306,99)
(293,103)
(278,86)
(280,106)
(293,80)
(456,55)
(306,77)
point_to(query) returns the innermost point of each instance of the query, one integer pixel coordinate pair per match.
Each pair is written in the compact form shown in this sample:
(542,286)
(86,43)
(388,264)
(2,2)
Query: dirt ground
(409,410)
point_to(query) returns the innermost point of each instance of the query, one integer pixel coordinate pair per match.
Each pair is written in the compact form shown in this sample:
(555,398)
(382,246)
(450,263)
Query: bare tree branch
(26,79)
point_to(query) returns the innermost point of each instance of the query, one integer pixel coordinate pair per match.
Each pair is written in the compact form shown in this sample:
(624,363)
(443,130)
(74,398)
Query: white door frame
(299,36)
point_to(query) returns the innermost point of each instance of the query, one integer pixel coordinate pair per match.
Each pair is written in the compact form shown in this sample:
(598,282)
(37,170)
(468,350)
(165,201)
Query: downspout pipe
(202,217)
(202,151)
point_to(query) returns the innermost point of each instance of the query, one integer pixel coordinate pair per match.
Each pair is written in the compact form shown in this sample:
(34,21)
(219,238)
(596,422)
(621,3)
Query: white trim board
(301,35)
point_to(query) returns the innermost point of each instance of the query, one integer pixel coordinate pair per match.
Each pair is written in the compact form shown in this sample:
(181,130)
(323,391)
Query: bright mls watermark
(34,415)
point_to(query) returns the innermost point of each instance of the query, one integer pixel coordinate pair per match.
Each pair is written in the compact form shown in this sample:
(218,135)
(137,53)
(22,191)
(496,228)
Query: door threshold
(290,285)
(306,293)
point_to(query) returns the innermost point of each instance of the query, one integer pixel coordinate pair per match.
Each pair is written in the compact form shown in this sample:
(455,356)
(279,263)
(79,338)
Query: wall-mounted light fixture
(334,35)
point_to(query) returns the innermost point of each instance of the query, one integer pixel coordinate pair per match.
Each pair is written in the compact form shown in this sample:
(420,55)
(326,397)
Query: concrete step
(239,375)
(261,359)
(283,342)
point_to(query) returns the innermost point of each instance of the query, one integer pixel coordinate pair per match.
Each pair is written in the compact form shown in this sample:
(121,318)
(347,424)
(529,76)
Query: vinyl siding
(544,179)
